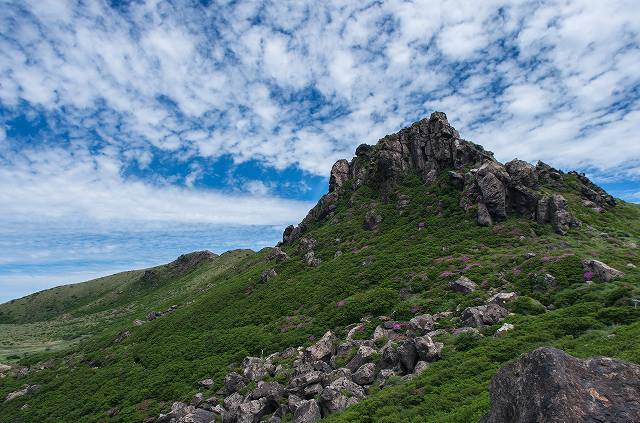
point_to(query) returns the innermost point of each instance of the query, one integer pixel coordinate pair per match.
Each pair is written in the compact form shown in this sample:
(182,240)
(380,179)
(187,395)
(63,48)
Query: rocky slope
(389,286)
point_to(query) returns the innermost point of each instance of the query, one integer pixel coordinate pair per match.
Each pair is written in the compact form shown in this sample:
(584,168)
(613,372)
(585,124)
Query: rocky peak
(489,188)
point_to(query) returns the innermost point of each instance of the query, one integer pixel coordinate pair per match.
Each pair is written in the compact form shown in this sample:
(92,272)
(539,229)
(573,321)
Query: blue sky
(133,131)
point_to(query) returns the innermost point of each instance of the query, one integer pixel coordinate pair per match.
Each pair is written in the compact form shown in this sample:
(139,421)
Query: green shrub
(527,305)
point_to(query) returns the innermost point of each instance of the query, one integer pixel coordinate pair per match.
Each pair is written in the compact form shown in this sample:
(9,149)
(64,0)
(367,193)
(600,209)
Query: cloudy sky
(133,131)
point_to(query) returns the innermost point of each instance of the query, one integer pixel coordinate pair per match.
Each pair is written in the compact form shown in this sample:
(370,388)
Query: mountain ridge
(389,248)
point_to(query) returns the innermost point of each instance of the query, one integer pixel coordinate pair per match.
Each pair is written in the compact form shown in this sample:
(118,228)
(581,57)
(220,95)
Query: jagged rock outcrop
(548,385)
(432,146)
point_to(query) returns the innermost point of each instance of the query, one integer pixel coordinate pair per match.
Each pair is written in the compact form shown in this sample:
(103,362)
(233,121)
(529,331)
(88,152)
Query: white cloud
(59,185)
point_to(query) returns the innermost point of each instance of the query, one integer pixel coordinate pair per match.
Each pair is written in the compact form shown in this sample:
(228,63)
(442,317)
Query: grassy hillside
(58,317)
(397,269)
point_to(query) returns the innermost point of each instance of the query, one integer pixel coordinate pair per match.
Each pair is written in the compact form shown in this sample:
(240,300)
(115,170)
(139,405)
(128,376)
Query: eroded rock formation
(488,188)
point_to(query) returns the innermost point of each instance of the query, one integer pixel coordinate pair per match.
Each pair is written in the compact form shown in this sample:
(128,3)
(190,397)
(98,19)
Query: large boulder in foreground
(548,385)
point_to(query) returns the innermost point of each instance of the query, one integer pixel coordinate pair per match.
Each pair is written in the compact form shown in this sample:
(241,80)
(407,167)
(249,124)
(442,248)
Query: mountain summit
(490,190)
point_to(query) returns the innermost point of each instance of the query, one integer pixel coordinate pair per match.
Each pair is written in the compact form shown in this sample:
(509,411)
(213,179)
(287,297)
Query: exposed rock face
(432,146)
(600,271)
(339,175)
(548,385)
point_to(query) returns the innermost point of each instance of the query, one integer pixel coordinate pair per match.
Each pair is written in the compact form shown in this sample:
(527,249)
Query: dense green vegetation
(398,270)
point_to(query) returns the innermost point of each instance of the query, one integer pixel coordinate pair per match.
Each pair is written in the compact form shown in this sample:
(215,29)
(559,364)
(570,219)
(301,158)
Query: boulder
(307,411)
(489,314)
(267,275)
(311,260)
(427,349)
(255,368)
(493,195)
(345,385)
(197,399)
(252,411)
(363,356)
(503,298)
(419,325)
(269,390)
(600,271)
(332,376)
(390,359)
(484,217)
(323,349)
(365,375)
(182,413)
(560,217)
(463,284)
(333,400)
(408,355)
(548,385)
(233,382)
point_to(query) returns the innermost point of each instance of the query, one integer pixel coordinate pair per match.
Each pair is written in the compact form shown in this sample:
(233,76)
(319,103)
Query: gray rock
(233,382)
(206,383)
(187,414)
(548,385)
(311,260)
(197,399)
(339,175)
(522,172)
(306,412)
(363,356)
(334,400)
(489,314)
(365,375)
(255,368)
(601,271)
(503,298)
(252,411)
(408,355)
(390,359)
(419,325)
(463,284)
(345,385)
(329,378)
(484,217)
(427,349)
(494,195)
(323,349)
(267,275)
(270,390)
(278,255)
